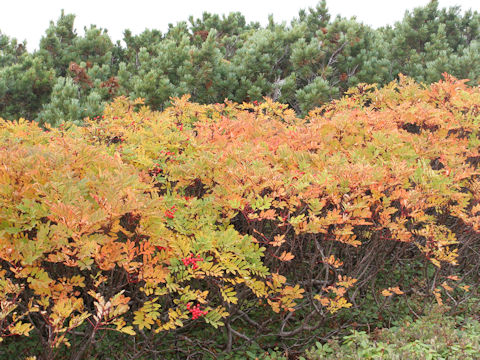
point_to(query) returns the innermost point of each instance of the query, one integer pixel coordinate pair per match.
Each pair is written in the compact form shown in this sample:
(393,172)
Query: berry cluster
(171,212)
(195,311)
(167,153)
(192,261)
(300,173)
(157,169)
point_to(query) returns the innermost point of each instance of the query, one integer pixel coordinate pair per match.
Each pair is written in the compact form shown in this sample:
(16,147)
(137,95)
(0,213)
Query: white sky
(28,19)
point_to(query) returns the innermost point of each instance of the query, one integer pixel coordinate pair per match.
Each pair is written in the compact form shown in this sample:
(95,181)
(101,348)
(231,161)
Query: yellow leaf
(338,304)
(21,329)
(278,279)
(278,240)
(386,293)
(128,330)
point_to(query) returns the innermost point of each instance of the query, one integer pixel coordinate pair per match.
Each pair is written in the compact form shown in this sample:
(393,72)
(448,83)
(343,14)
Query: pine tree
(306,63)
(430,41)
(68,105)
(25,85)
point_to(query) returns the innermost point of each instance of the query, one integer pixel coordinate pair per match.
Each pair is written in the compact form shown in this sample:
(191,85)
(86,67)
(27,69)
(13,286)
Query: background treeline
(306,63)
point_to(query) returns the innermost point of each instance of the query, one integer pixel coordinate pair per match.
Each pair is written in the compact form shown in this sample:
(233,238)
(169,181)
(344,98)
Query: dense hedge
(240,216)
(304,64)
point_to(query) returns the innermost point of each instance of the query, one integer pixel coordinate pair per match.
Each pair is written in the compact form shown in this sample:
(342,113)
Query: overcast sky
(28,19)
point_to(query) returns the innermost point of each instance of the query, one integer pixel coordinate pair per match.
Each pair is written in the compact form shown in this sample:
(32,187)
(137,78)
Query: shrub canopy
(151,220)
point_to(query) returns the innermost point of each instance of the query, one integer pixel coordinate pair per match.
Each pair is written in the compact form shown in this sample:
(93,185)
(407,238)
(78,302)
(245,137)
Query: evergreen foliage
(304,64)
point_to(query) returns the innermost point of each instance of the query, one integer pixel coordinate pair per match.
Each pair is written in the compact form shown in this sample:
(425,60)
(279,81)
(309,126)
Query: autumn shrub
(88,245)
(241,215)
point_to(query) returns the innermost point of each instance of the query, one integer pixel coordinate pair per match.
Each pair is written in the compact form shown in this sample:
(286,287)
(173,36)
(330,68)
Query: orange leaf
(392,290)
(396,290)
(453,277)
(286,256)
(333,262)
(323,300)
(446,286)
